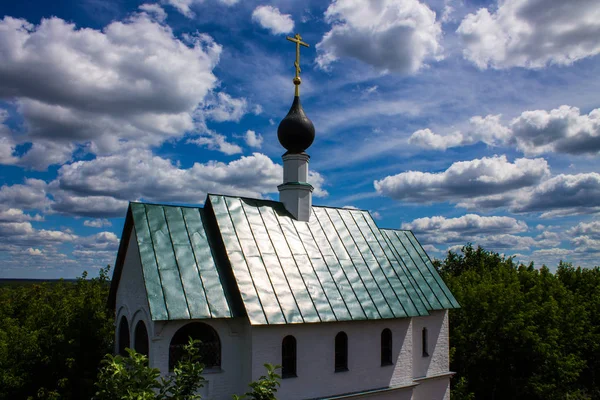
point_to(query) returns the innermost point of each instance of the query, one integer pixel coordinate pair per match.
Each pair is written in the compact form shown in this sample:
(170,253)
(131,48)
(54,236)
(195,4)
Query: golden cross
(298,40)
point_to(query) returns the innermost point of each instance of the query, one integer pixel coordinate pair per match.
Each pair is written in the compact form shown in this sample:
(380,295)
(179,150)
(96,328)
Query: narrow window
(210,344)
(424,342)
(123,336)
(141,339)
(288,357)
(386,347)
(341,352)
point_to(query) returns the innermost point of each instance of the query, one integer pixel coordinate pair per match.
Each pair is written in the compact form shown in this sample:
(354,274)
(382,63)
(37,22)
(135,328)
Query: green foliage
(130,378)
(265,387)
(522,333)
(52,338)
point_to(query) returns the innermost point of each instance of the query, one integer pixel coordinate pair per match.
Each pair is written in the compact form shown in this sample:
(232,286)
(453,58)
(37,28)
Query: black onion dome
(296,132)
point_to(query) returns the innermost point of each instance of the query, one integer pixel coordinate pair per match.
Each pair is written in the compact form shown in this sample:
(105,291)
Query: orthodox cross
(298,40)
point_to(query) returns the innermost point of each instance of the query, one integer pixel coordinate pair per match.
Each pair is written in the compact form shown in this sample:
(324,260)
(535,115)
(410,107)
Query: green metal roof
(180,273)
(252,256)
(339,266)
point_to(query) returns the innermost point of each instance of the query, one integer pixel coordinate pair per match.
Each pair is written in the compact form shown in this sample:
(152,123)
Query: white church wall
(315,357)
(439,345)
(433,388)
(234,374)
(131,298)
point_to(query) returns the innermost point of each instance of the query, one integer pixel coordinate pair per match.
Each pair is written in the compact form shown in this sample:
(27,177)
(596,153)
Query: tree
(52,338)
(266,386)
(520,330)
(130,377)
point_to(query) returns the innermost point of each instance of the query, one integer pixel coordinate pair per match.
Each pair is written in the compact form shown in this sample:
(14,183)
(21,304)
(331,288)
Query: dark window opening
(210,345)
(140,343)
(123,336)
(424,342)
(386,347)
(288,357)
(341,352)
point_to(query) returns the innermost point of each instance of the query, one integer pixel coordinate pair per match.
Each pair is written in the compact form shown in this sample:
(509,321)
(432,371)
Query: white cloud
(562,195)
(102,187)
(155,10)
(29,195)
(17,215)
(531,33)
(254,139)
(97,223)
(467,224)
(215,141)
(488,130)
(34,252)
(464,180)
(591,229)
(185,6)
(132,84)
(272,19)
(562,130)
(391,35)
(223,107)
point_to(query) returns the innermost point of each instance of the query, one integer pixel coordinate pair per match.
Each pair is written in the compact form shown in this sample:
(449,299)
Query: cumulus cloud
(531,33)
(464,179)
(97,223)
(562,130)
(133,83)
(488,130)
(185,6)
(24,234)
(223,107)
(562,195)
(155,10)
(391,35)
(31,195)
(271,18)
(216,141)
(591,229)
(17,215)
(469,223)
(253,139)
(496,233)
(103,186)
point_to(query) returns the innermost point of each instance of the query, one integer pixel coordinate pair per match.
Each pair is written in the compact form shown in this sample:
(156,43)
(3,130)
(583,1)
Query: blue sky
(465,121)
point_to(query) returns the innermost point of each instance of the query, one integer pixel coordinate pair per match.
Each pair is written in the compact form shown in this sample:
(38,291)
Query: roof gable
(180,273)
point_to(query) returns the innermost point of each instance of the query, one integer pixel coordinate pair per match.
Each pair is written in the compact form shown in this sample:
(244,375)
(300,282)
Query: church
(347,309)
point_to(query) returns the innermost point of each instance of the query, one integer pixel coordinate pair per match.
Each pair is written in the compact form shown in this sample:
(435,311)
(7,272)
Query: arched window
(123,336)
(386,347)
(210,346)
(141,339)
(341,352)
(424,343)
(288,357)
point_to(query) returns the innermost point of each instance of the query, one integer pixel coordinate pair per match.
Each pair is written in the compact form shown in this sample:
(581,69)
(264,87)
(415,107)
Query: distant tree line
(53,337)
(521,333)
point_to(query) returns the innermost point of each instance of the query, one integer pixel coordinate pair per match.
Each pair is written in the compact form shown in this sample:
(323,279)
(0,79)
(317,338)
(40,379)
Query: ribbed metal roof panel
(180,274)
(339,266)
(433,290)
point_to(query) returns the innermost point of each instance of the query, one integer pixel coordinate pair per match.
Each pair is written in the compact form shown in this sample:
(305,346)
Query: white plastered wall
(234,375)
(315,357)
(131,299)
(438,361)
